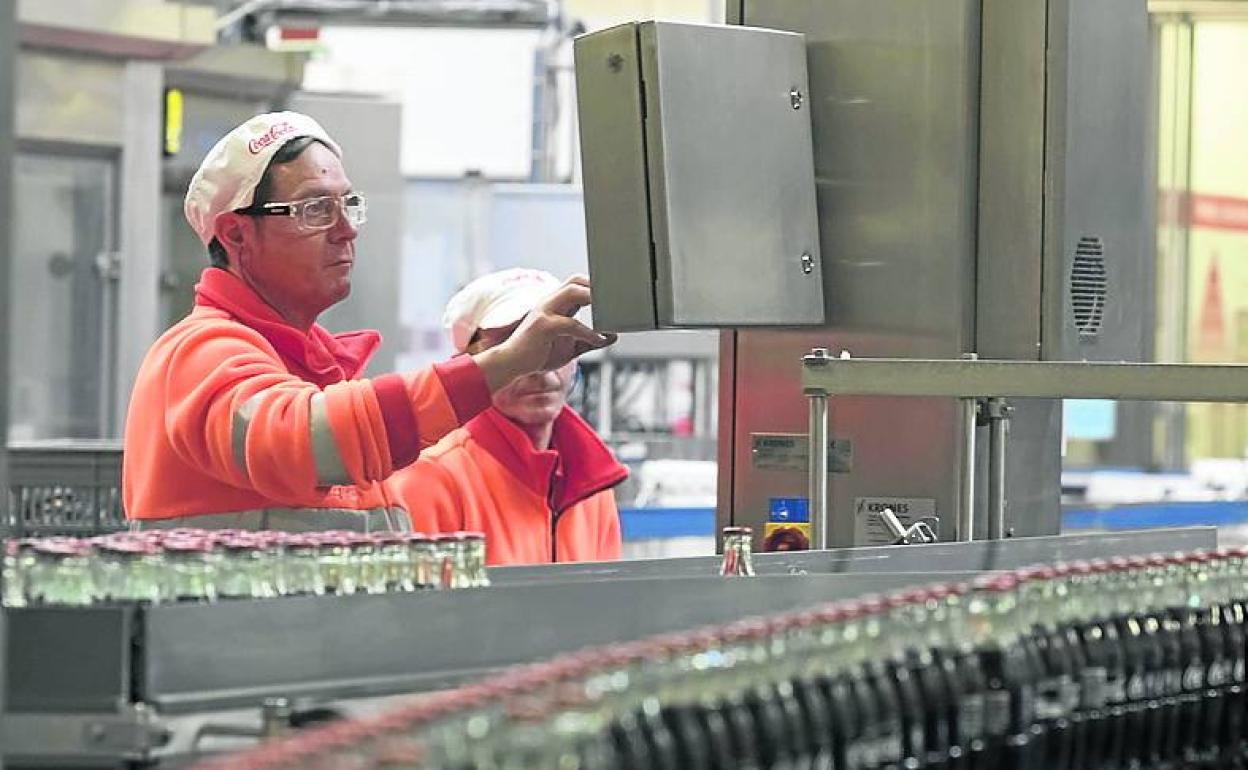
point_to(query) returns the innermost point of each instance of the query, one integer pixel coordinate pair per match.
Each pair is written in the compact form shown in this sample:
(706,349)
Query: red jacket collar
(318,356)
(577,466)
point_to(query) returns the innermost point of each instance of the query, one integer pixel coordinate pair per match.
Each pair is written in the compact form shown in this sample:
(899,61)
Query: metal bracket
(108,265)
(132,732)
(918,532)
(996,412)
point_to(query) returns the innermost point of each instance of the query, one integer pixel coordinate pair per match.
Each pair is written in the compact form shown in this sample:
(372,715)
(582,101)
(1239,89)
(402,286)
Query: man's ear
(235,232)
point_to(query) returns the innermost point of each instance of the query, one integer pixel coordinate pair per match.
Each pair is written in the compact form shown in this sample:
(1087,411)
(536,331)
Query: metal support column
(139,287)
(998,414)
(968,411)
(818,454)
(8,100)
(964,530)
(606,396)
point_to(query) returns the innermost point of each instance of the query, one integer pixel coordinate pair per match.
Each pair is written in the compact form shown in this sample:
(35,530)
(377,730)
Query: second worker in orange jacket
(528,472)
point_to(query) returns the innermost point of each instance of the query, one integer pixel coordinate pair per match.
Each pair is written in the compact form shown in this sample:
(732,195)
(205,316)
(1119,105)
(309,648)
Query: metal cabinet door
(699,183)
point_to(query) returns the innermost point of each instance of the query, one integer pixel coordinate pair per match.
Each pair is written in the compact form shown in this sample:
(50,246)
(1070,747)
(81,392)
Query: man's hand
(546,339)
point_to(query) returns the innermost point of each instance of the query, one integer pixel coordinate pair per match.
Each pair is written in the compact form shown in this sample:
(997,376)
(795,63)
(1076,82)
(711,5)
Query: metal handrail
(972,380)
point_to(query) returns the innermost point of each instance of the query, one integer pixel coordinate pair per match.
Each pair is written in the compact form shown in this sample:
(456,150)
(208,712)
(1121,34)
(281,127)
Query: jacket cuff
(465,386)
(402,429)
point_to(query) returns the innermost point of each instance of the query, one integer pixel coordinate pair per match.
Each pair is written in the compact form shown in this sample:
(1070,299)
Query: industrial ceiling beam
(533,14)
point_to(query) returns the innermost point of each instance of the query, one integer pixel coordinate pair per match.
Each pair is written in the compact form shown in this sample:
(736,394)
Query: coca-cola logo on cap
(275,132)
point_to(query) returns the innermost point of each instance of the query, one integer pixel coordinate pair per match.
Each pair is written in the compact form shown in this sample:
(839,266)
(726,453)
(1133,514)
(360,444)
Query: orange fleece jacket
(533,506)
(235,410)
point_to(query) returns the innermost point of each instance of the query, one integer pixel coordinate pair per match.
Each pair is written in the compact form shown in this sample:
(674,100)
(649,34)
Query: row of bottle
(205,565)
(1131,663)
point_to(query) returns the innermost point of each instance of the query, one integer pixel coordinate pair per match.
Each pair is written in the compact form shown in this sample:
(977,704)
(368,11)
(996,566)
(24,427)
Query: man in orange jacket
(529,472)
(249,414)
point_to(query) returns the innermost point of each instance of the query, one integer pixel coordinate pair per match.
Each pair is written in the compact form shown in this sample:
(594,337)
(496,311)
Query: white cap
(227,178)
(495,300)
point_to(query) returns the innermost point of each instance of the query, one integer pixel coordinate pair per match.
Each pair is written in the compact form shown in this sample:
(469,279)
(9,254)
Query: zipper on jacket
(554,517)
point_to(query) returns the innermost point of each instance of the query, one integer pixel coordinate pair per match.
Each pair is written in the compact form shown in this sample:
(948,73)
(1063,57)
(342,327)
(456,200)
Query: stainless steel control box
(699,177)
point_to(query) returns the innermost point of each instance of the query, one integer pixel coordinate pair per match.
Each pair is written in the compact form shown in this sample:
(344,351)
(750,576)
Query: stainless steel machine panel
(894,90)
(1103,207)
(981,175)
(1065,268)
(699,181)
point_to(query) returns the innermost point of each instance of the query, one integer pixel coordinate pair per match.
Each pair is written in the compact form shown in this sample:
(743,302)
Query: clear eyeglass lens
(357,211)
(322,213)
(319,212)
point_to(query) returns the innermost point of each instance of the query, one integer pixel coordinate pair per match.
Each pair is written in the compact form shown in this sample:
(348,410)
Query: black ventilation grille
(1088,286)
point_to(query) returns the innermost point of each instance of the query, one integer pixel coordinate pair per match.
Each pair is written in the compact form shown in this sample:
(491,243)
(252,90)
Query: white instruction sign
(869,528)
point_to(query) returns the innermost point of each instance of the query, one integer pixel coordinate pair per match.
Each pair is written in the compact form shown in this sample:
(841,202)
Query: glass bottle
(393,561)
(302,569)
(337,572)
(618,681)
(444,561)
(1201,709)
(1234,618)
(19,558)
(875,691)
(1041,598)
(473,544)
(422,556)
(1162,611)
(367,563)
(693,722)
(993,624)
(63,573)
(738,544)
(1119,584)
(910,617)
(244,572)
(191,569)
(129,571)
(749,698)
(1102,682)
(272,548)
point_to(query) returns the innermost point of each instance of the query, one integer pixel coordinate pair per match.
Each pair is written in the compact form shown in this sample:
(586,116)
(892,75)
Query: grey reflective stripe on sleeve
(242,423)
(291,520)
(330,469)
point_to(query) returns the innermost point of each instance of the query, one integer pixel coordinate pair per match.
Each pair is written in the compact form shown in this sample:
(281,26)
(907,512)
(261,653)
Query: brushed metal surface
(1011,180)
(894,88)
(732,198)
(902,447)
(699,179)
(613,170)
(1227,383)
(1100,95)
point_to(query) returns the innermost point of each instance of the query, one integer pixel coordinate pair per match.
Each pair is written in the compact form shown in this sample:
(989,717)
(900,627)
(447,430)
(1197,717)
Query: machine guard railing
(982,387)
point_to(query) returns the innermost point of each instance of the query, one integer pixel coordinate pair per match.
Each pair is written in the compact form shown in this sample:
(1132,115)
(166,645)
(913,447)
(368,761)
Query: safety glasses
(319,213)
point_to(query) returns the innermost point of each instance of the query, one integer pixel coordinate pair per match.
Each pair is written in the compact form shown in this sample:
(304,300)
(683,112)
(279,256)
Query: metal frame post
(138,289)
(818,454)
(8,102)
(818,470)
(964,527)
(968,410)
(8,122)
(998,414)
